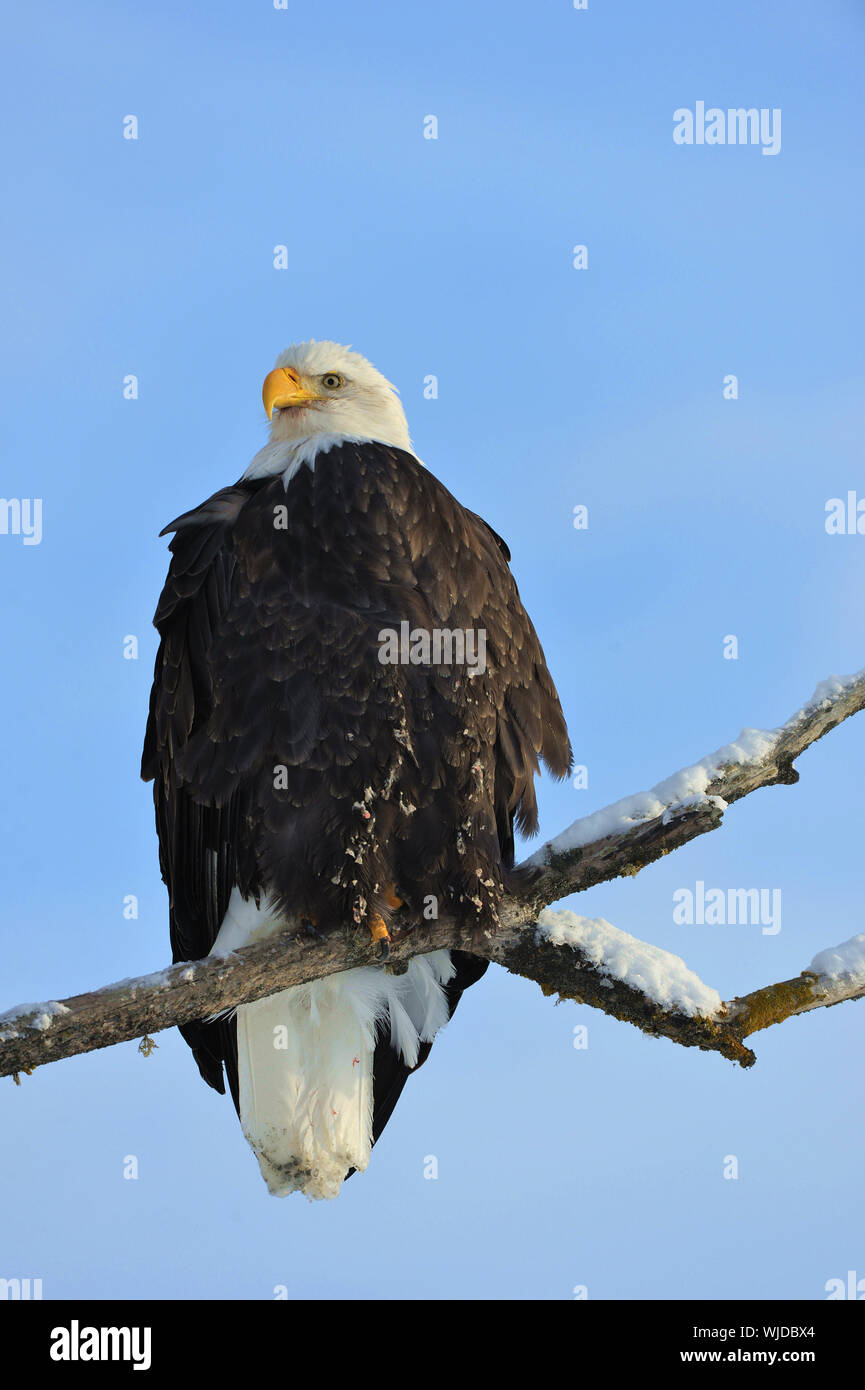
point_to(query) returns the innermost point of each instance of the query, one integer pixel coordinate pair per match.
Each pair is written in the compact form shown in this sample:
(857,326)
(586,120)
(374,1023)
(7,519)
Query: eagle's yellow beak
(282,388)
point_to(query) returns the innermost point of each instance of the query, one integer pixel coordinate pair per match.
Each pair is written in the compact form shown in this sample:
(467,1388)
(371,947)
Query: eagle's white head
(325,388)
(317,396)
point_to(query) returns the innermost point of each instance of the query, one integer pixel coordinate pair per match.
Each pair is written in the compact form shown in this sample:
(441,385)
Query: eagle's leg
(380,935)
(378,927)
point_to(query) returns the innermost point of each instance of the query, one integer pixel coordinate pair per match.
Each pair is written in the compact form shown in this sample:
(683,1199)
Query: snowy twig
(655,990)
(619,840)
(626,836)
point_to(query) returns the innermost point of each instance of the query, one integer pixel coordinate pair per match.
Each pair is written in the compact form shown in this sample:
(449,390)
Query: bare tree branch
(619,840)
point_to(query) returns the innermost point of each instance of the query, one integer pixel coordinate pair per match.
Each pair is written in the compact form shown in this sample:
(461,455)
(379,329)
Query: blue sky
(557,386)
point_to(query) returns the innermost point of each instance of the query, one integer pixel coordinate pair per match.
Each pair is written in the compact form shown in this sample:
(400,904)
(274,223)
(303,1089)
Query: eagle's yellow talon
(377,929)
(380,935)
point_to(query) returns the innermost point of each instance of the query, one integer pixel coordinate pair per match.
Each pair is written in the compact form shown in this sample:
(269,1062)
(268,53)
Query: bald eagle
(348,711)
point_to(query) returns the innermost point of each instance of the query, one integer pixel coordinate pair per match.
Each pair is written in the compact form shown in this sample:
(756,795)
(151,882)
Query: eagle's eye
(332,380)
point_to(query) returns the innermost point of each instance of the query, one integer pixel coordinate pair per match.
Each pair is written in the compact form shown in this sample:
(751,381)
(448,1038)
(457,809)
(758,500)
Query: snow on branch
(577,958)
(622,838)
(591,962)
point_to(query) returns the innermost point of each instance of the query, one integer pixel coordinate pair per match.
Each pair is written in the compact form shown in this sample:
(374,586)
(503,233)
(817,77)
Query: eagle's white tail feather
(305,1059)
(403,1034)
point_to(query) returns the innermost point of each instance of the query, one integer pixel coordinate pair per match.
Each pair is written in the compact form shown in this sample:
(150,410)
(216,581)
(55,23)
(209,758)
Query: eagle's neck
(285,456)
